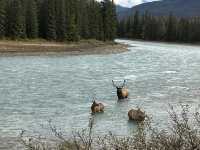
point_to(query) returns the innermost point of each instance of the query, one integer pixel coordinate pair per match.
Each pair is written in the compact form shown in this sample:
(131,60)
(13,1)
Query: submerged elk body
(97,107)
(136,115)
(122,91)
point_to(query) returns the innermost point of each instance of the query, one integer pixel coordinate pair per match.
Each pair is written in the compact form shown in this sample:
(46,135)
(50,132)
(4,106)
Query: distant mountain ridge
(121,9)
(181,8)
(123,12)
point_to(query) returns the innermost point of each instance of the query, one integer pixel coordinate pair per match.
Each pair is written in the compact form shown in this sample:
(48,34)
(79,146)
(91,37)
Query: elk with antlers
(122,91)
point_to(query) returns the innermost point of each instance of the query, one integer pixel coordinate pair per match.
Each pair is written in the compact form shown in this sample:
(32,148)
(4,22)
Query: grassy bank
(37,47)
(183,133)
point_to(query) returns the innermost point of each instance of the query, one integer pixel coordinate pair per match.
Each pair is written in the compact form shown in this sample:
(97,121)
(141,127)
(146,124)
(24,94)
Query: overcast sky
(130,3)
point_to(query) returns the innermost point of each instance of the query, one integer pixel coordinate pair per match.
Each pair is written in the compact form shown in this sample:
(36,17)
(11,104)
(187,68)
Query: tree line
(163,28)
(61,20)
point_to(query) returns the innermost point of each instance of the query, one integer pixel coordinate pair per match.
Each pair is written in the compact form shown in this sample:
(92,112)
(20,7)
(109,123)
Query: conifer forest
(60,20)
(160,28)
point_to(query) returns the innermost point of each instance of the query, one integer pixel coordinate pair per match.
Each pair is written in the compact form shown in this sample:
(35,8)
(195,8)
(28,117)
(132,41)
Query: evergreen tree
(72,30)
(136,31)
(114,21)
(146,28)
(160,28)
(83,19)
(16,20)
(194,29)
(171,28)
(100,23)
(24,4)
(60,20)
(121,28)
(31,19)
(109,19)
(2,18)
(42,18)
(129,28)
(183,30)
(93,21)
(51,20)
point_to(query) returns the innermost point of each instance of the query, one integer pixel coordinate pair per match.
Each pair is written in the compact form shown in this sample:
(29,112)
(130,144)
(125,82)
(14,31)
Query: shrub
(183,133)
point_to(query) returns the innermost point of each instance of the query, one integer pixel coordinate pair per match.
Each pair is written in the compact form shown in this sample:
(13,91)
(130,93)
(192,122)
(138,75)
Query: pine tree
(51,20)
(60,20)
(16,20)
(84,19)
(121,28)
(109,19)
(100,22)
(42,18)
(72,32)
(24,3)
(183,30)
(2,18)
(129,24)
(72,29)
(114,21)
(194,29)
(171,28)
(136,31)
(145,20)
(31,19)
(95,21)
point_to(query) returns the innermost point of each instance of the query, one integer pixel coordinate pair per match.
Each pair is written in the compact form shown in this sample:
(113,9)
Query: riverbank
(164,42)
(42,47)
(182,133)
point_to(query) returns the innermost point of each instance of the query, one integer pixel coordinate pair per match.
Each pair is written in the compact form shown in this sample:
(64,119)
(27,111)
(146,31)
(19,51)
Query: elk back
(136,115)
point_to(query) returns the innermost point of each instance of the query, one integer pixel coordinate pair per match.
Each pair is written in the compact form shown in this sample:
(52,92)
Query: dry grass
(42,46)
(182,134)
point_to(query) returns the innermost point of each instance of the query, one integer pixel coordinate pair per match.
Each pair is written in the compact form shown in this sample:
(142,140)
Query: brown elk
(136,115)
(97,107)
(122,91)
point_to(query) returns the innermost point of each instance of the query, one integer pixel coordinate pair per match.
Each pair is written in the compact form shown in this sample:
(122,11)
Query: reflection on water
(35,89)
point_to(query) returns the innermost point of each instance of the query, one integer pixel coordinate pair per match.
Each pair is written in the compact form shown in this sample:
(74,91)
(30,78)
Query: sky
(130,3)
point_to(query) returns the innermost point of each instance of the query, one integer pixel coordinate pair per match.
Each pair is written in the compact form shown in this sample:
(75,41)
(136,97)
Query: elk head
(122,91)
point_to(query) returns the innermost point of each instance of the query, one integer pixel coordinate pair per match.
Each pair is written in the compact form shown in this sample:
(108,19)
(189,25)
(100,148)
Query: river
(35,89)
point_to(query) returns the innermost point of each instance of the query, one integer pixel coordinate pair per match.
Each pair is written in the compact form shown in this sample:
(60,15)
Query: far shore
(164,42)
(43,47)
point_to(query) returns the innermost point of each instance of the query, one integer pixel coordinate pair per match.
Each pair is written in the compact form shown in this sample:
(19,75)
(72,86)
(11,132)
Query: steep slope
(121,9)
(181,8)
(123,12)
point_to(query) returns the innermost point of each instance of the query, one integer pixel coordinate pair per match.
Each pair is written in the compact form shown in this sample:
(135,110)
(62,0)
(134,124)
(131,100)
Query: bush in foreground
(183,133)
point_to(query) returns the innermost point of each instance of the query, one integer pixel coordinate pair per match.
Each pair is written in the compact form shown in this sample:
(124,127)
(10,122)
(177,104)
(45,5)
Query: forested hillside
(161,28)
(180,8)
(61,20)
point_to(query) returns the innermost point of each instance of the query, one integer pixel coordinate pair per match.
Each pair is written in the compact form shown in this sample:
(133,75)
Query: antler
(114,84)
(124,83)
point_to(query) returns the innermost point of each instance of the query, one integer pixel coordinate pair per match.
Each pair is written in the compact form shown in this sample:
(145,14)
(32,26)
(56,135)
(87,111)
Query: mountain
(121,9)
(180,8)
(123,12)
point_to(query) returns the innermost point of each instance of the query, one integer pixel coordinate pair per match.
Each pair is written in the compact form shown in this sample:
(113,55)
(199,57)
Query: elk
(97,107)
(122,91)
(136,115)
